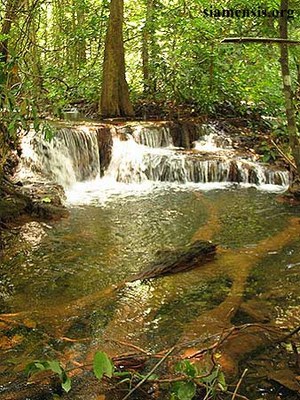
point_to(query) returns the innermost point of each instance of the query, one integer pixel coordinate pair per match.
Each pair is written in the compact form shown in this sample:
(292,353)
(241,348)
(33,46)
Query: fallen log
(175,261)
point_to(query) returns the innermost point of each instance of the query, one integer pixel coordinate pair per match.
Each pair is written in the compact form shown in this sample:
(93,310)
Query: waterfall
(153,136)
(213,140)
(71,156)
(134,163)
(143,153)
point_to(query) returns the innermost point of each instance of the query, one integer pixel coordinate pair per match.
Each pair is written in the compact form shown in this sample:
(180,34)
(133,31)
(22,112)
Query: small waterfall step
(133,163)
(141,152)
(72,155)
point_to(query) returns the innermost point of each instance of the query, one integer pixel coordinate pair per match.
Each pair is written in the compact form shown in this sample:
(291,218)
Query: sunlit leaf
(102,365)
(66,384)
(55,366)
(186,390)
(46,200)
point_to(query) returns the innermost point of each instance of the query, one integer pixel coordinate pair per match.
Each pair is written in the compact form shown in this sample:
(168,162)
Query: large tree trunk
(115,100)
(287,89)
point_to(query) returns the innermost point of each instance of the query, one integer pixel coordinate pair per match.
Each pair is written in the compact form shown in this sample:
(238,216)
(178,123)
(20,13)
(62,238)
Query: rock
(184,133)
(45,200)
(286,378)
(294,188)
(40,200)
(105,142)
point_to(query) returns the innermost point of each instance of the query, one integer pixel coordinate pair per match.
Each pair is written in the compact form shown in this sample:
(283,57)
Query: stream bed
(53,273)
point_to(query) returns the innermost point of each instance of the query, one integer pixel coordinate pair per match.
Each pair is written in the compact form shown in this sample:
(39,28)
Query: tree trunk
(10,14)
(287,89)
(147,39)
(145,54)
(115,100)
(81,42)
(297,96)
(34,52)
(7,22)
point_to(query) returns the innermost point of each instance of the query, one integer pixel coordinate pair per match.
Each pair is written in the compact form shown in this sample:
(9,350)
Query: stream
(113,232)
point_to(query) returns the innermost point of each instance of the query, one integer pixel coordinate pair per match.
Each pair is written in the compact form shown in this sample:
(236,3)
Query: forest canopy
(53,51)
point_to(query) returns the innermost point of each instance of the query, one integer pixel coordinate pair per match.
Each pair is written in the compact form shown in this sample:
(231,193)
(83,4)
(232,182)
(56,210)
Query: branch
(239,384)
(149,374)
(286,158)
(259,40)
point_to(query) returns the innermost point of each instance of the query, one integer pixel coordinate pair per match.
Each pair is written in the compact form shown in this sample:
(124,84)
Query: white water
(152,136)
(71,156)
(145,161)
(214,141)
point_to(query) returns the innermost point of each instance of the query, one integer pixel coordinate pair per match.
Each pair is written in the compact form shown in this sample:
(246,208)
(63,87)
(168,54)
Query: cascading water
(213,140)
(71,156)
(213,160)
(144,154)
(153,136)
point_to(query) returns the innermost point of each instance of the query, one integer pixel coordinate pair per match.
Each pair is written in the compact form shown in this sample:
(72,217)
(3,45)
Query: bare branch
(259,40)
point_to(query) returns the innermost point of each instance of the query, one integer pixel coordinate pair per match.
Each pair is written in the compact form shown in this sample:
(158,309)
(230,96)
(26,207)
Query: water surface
(100,245)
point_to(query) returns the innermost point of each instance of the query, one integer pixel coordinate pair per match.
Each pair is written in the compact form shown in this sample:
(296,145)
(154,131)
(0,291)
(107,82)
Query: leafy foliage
(186,61)
(185,389)
(214,381)
(54,366)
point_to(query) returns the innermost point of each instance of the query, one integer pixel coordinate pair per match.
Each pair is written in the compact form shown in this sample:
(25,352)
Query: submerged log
(175,261)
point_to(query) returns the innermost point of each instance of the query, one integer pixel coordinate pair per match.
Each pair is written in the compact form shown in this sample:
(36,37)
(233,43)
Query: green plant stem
(149,374)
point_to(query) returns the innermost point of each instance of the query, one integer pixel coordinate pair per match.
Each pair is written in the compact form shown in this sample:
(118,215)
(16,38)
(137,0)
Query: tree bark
(115,100)
(287,89)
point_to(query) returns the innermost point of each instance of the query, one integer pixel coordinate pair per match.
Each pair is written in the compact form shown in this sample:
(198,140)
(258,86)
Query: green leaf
(33,368)
(211,377)
(36,125)
(40,365)
(55,367)
(153,377)
(66,383)
(124,373)
(48,131)
(187,368)
(102,365)
(221,382)
(186,390)
(46,200)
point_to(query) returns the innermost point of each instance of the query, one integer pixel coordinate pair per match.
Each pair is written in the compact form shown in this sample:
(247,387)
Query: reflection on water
(99,246)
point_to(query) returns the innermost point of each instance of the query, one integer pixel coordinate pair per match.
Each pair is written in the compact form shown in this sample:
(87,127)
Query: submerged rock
(184,133)
(46,200)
